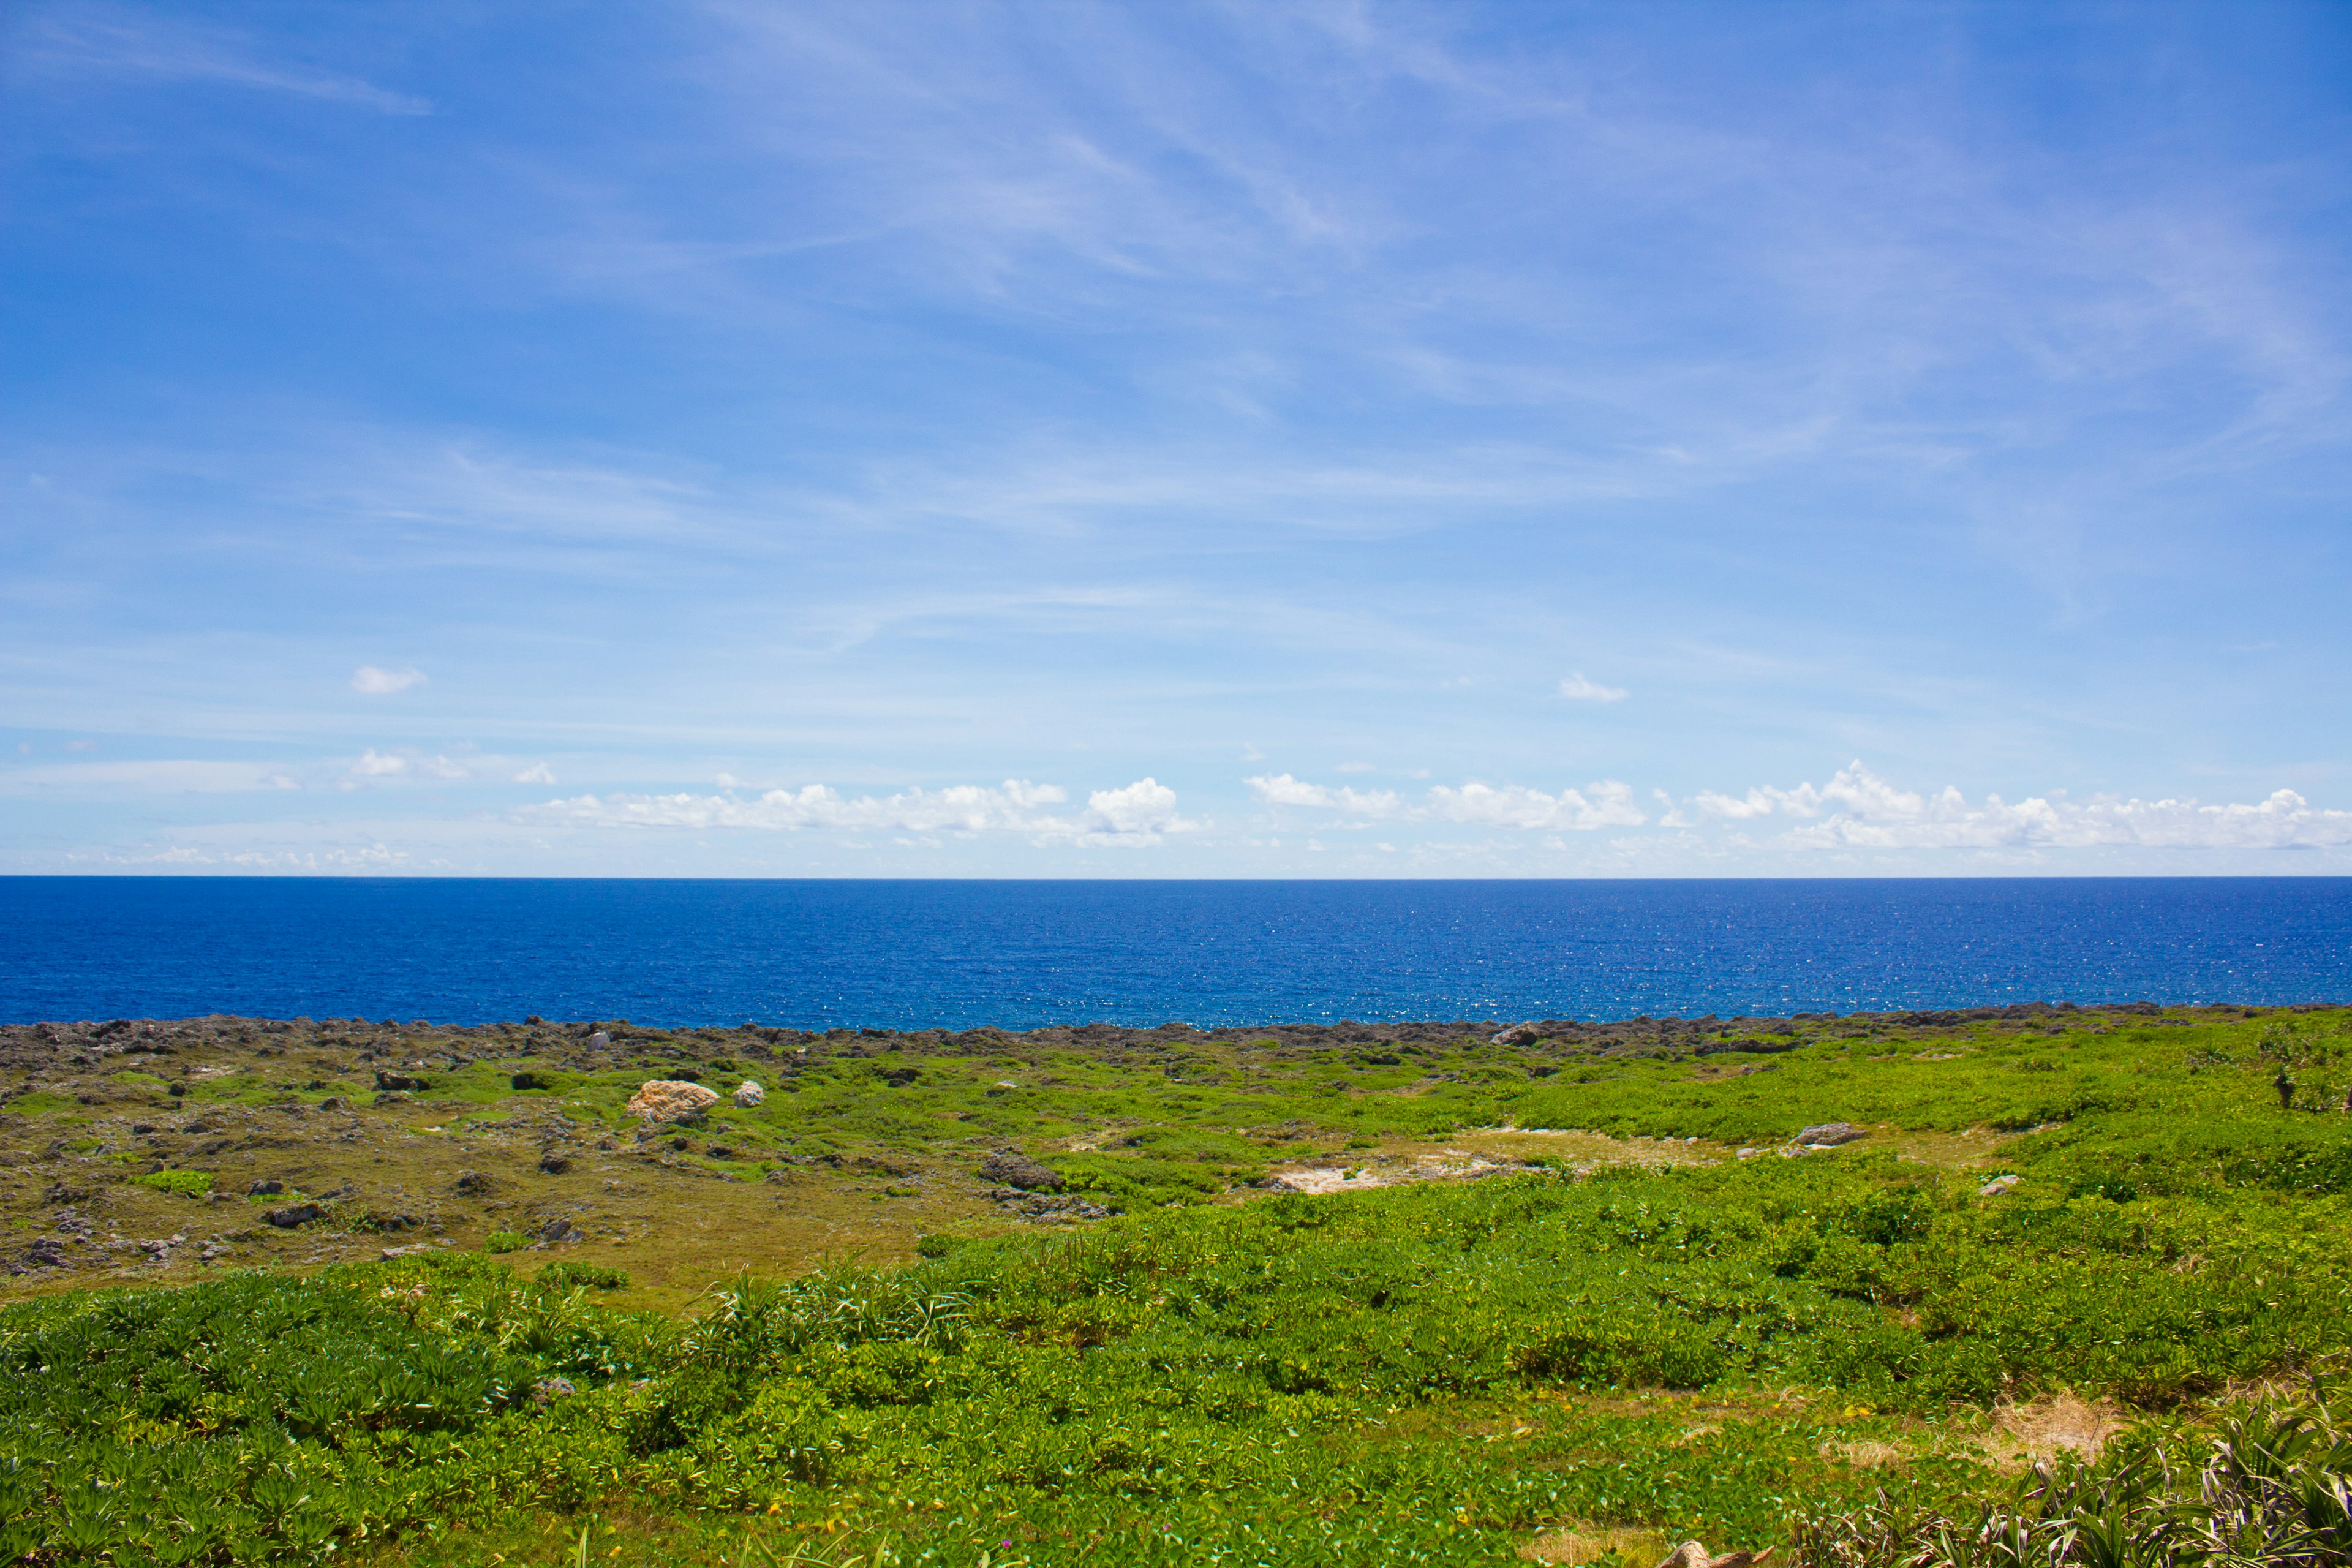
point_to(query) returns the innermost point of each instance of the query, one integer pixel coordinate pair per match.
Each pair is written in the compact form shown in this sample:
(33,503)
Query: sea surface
(918,954)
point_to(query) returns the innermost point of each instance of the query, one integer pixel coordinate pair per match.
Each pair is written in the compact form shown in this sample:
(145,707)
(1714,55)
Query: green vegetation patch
(189,1183)
(1798,1347)
(1433,1372)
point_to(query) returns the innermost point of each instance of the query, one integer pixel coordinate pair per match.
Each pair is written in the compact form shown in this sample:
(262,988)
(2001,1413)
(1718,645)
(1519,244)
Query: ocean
(922,954)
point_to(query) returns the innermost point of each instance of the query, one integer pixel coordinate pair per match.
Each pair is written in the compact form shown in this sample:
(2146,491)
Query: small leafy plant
(189,1183)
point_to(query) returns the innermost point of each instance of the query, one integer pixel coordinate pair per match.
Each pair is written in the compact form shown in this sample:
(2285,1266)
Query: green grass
(188,1184)
(1426,1373)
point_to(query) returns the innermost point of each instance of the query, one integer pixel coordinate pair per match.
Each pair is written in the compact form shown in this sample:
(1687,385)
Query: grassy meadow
(1571,1297)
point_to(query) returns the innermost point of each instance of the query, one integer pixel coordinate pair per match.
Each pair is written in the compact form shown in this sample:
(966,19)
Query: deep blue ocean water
(956,954)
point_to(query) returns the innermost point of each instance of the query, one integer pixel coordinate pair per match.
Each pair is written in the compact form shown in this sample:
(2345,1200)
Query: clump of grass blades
(2266,1483)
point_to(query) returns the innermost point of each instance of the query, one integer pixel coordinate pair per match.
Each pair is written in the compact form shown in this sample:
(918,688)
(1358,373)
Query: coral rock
(671,1099)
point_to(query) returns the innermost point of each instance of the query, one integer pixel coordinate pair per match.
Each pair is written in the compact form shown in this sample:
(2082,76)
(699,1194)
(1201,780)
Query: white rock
(749,1094)
(670,1100)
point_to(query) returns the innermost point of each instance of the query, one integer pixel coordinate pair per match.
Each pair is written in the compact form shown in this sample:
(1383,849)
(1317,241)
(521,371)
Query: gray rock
(1020,1171)
(599,1040)
(1517,1034)
(1998,1185)
(1828,1133)
(47,1253)
(748,1094)
(267,1187)
(294,1215)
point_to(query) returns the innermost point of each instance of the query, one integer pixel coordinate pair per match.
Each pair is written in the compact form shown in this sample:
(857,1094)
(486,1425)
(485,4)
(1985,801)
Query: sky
(1178,440)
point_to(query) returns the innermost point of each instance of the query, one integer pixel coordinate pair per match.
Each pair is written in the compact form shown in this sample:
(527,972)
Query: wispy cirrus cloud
(1578,688)
(162,776)
(122,40)
(374,681)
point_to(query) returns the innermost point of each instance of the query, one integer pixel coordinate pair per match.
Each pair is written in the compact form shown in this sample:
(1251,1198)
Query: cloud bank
(1858,809)
(1141,814)
(1605,804)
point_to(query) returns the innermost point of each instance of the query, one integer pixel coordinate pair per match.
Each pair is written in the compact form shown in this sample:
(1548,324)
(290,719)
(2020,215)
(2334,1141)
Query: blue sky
(1218,440)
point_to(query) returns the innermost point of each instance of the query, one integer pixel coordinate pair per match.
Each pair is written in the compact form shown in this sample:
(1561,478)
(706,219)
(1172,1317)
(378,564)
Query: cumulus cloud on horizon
(1604,803)
(1858,809)
(1139,814)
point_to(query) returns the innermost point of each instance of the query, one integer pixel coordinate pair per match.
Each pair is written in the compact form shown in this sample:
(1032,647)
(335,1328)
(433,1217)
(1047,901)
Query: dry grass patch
(1572,1545)
(2042,1427)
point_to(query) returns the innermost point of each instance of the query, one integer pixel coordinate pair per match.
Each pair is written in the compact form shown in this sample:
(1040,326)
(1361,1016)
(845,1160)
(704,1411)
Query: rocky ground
(146,1149)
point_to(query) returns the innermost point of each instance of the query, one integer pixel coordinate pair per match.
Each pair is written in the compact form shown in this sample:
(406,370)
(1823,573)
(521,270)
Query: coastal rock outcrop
(1518,1034)
(748,1094)
(670,1100)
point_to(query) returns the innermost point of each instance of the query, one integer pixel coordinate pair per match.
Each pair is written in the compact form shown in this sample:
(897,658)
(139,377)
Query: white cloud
(1609,804)
(1857,809)
(1281,789)
(540,774)
(373,764)
(375,857)
(1139,814)
(379,682)
(159,777)
(1577,689)
(1355,767)
(1736,808)
(112,40)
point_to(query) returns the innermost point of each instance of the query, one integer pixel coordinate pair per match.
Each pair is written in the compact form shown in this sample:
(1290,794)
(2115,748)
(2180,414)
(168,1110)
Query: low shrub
(567,1275)
(189,1183)
(2266,1483)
